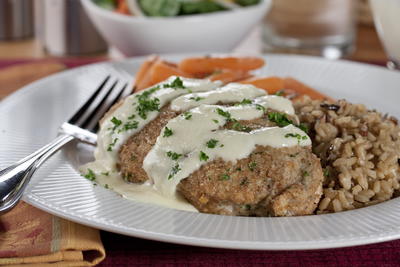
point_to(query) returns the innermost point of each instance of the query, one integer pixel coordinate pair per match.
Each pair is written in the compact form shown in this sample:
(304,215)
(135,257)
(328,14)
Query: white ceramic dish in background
(30,117)
(219,31)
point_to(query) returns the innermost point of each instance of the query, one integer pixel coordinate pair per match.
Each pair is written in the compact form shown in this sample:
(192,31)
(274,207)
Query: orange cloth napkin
(31,237)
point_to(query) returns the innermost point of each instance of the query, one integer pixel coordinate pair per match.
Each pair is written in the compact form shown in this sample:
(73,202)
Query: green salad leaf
(247,2)
(160,8)
(201,6)
(107,4)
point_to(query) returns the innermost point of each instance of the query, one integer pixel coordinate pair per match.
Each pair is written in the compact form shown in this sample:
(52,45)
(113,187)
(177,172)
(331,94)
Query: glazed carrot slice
(122,8)
(270,84)
(161,70)
(196,65)
(143,77)
(288,85)
(227,76)
(302,89)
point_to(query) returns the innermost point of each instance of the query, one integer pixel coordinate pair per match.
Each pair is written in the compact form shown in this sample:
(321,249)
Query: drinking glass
(387,21)
(323,27)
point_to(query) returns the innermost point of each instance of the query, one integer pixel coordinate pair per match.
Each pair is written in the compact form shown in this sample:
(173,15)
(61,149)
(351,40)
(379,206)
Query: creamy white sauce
(145,192)
(128,108)
(190,137)
(190,133)
(231,93)
(275,102)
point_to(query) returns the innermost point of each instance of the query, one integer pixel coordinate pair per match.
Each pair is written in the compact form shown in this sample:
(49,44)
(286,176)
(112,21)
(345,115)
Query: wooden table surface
(368,48)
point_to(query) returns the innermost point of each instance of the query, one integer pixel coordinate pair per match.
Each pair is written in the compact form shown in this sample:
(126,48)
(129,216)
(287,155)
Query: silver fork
(82,126)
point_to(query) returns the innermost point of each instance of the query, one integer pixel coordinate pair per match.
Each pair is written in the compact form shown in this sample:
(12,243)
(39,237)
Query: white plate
(30,117)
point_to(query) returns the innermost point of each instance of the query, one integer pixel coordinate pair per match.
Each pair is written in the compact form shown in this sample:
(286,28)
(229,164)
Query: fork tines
(109,92)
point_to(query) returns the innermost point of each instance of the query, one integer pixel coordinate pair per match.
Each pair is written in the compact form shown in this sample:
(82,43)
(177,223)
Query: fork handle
(13,179)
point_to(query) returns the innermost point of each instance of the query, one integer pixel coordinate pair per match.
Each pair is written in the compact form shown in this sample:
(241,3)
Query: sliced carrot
(161,70)
(302,89)
(288,85)
(122,8)
(143,77)
(198,65)
(227,76)
(270,84)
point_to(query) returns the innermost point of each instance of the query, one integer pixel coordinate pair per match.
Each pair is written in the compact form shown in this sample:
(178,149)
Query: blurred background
(53,28)
(76,32)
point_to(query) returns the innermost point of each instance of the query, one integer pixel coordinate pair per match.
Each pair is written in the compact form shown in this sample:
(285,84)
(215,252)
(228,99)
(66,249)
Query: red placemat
(123,251)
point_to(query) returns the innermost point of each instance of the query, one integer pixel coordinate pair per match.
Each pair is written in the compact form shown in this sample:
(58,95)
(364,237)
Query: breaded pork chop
(270,182)
(133,152)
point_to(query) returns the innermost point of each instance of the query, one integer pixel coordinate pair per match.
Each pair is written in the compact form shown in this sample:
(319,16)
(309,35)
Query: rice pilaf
(359,151)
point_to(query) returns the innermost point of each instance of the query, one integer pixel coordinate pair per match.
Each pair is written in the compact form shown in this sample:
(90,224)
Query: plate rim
(225,244)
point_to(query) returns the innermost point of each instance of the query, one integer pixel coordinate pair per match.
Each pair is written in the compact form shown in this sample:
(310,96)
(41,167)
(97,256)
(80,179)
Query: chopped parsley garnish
(145,104)
(280,93)
(239,127)
(187,115)
(110,146)
(305,173)
(296,135)
(168,132)
(225,177)
(239,169)
(91,176)
(303,127)
(259,107)
(129,125)
(197,98)
(173,155)
(203,156)
(105,173)
(244,102)
(116,123)
(174,171)
(252,165)
(131,117)
(280,119)
(148,92)
(216,121)
(106,186)
(212,143)
(225,114)
(326,172)
(176,84)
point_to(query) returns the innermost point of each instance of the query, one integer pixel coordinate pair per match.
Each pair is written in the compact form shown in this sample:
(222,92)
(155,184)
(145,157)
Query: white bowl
(216,32)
